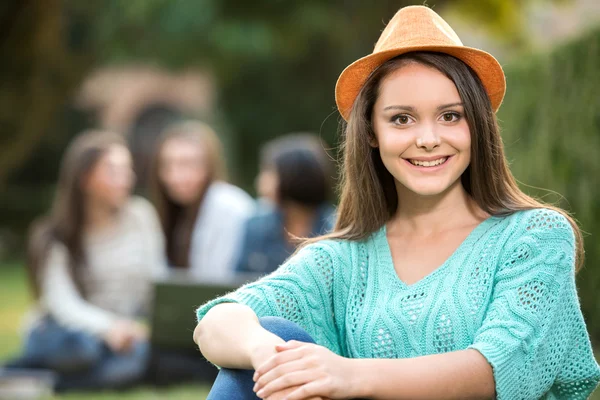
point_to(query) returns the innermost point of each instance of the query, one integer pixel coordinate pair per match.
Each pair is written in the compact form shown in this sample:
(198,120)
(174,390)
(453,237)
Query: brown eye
(450,117)
(401,119)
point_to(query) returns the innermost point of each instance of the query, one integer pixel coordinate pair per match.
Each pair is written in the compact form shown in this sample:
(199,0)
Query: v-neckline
(385,254)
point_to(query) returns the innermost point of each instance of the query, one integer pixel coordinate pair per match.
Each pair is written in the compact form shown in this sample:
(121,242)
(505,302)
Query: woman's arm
(463,374)
(532,338)
(62,299)
(230,336)
(315,371)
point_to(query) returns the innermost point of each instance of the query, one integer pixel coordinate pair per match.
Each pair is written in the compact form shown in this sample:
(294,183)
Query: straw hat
(418,28)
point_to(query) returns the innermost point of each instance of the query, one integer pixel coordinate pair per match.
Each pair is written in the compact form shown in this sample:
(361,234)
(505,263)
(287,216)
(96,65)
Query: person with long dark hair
(202,216)
(91,264)
(294,188)
(441,279)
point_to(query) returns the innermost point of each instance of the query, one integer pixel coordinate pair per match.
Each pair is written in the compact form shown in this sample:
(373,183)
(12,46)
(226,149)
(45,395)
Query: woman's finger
(307,391)
(277,359)
(292,344)
(280,370)
(286,381)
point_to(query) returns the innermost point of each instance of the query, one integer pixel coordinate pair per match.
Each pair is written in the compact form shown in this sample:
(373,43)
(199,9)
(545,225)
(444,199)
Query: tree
(43,47)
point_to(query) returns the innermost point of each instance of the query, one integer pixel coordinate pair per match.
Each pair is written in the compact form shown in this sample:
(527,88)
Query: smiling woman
(441,279)
(426,145)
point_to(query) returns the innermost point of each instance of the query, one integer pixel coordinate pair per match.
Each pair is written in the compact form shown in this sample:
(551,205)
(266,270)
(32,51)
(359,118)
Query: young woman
(202,215)
(294,185)
(441,279)
(91,265)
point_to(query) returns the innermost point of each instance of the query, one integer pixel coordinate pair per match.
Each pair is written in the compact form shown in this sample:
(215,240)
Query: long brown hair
(173,217)
(368,194)
(66,220)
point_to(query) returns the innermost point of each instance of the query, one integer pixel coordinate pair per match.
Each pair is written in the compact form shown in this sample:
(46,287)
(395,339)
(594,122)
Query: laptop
(176,298)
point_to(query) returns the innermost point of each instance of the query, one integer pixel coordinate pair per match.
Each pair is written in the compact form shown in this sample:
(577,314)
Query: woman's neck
(99,216)
(431,214)
(298,220)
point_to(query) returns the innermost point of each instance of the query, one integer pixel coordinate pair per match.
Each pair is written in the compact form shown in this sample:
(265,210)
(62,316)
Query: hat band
(417,42)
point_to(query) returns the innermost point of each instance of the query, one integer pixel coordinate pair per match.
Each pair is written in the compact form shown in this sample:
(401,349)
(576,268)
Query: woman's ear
(373,140)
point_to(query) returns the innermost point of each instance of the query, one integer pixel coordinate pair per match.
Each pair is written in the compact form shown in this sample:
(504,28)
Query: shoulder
(141,216)
(337,252)
(263,219)
(225,196)
(538,238)
(56,256)
(541,224)
(57,248)
(140,207)
(327,216)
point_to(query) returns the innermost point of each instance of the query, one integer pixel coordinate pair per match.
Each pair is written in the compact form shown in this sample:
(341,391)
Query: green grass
(14,302)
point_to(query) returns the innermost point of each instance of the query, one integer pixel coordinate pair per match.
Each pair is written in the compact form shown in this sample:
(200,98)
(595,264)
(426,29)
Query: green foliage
(551,129)
(45,57)
(276,62)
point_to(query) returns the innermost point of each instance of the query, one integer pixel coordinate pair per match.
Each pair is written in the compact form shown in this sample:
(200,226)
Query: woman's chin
(428,190)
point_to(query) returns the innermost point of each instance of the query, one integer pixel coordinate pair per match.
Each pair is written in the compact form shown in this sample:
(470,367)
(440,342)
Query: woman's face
(182,170)
(421,132)
(111,179)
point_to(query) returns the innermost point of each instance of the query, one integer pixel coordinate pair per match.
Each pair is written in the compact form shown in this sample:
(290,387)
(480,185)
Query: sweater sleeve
(62,300)
(301,291)
(533,334)
(218,233)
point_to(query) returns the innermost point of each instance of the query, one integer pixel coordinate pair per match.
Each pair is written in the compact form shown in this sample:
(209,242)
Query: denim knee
(236,384)
(287,330)
(81,352)
(50,345)
(125,369)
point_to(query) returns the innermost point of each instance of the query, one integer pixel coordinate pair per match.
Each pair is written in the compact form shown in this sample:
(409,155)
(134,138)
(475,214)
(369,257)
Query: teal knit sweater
(508,291)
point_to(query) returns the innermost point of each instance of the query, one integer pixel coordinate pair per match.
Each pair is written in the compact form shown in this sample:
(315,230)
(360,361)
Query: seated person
(202,216)
(91,266)
(294,186)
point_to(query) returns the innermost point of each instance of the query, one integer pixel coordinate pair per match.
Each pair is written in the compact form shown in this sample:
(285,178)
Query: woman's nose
(428,140)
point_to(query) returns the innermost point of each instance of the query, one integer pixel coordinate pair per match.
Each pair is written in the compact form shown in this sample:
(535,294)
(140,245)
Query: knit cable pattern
(508,291)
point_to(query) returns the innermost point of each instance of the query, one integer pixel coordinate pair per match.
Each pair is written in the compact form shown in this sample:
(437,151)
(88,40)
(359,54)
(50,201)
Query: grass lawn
(14,300)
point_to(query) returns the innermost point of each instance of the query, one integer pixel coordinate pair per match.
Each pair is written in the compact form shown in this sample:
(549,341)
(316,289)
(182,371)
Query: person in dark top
(294,186)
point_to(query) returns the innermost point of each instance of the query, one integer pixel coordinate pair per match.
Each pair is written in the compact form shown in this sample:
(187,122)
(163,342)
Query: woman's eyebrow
(398,107)
(443,106)
(413,109)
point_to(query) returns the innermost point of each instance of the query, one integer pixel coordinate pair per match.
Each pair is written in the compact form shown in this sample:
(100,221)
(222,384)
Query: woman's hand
(122,334)
(312,370)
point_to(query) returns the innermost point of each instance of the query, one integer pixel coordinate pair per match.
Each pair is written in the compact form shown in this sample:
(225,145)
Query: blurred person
(202,216)
(145,130)
(441,279)
(91,263)
(294,184)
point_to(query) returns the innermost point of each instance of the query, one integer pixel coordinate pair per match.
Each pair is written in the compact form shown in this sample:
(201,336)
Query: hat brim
(487,68)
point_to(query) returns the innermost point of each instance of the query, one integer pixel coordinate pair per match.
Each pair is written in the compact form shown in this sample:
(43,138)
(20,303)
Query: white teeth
(429,163)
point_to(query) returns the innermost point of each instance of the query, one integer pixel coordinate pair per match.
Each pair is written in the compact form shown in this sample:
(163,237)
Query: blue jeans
(237,384)
(81,361)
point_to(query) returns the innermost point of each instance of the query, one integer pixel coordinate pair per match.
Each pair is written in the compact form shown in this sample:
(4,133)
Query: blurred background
(256,70)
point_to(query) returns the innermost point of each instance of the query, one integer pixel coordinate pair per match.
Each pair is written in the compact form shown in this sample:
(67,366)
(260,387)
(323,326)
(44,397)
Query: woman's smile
(428,164)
